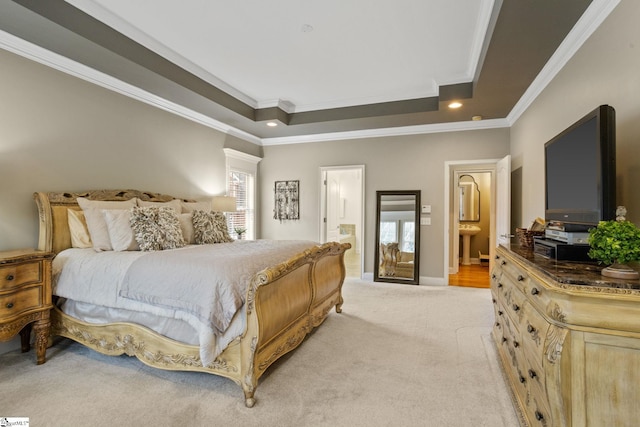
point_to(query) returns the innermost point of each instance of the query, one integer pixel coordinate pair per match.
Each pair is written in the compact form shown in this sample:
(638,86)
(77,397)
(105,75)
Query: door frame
(450,219)
(323,207)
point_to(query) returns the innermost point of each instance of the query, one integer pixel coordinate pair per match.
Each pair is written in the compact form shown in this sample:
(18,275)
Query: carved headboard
(54,235)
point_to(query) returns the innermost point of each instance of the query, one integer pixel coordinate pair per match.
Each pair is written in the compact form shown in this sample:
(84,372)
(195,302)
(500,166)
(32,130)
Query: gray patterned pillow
(210,227)
(156,228)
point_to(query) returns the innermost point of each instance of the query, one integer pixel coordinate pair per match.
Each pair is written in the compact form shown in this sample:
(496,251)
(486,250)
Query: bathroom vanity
(568,340)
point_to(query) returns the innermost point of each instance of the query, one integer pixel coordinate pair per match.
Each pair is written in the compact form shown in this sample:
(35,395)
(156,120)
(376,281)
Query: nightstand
(25,298)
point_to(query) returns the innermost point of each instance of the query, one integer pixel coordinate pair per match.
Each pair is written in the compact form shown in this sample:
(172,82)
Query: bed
(283,303)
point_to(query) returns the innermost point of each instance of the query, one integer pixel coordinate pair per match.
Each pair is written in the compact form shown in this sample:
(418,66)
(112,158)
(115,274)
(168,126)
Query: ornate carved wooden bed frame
(284,303)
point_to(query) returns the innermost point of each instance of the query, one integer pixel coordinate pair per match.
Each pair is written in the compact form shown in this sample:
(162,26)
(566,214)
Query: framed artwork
(286,200)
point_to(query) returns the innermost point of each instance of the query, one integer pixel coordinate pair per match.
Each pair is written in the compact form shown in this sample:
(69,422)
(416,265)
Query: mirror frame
(416,253)
(473,186)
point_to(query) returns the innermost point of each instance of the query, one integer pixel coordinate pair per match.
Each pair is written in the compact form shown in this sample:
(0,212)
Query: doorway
(342,212)
(479,264)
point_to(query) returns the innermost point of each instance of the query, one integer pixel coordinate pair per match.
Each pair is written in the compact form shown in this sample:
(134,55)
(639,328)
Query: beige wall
(59,133)
(605,70)
(398,163)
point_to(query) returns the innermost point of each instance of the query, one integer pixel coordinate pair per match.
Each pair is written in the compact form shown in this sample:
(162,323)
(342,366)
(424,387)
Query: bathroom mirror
(469,197)
(397,255)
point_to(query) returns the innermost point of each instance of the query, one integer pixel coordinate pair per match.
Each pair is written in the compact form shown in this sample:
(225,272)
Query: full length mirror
(397,237)
(469,196)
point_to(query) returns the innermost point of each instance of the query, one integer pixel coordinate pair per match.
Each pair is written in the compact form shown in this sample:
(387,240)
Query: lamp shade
(224,204)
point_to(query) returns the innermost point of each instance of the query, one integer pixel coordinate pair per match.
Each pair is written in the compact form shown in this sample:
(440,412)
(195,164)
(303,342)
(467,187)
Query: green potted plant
(616,243)
(239,232)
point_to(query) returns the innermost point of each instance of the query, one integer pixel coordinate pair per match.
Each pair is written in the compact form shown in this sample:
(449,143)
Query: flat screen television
(580,172)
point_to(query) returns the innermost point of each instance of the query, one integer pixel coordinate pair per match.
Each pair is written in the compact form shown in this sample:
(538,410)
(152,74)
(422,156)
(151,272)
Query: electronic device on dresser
(580,184)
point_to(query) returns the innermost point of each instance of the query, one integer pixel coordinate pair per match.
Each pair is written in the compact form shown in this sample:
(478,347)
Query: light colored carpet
(398,355)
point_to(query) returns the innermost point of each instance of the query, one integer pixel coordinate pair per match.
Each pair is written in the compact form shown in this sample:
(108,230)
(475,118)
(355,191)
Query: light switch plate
(425,221)
(426,209)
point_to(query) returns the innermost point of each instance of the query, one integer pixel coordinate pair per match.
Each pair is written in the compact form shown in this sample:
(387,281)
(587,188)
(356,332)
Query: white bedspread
(98,278)
(208,281)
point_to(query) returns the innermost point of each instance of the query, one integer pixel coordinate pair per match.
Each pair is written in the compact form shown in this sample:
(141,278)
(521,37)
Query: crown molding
(387,132)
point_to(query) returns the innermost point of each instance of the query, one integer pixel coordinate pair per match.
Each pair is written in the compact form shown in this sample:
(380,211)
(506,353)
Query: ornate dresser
(25,298)
(568,339)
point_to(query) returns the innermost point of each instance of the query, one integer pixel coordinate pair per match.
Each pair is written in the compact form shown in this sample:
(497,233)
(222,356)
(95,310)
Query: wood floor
(473,276)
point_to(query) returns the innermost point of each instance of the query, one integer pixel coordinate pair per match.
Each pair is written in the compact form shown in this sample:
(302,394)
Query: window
(241,184)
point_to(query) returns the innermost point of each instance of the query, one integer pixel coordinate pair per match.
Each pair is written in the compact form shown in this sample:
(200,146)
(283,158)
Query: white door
(333,207)
(503,201)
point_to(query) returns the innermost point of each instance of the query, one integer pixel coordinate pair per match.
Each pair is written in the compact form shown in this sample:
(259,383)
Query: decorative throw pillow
(78,229)
(210,227)
(96,223)
(120,231)
(156,228)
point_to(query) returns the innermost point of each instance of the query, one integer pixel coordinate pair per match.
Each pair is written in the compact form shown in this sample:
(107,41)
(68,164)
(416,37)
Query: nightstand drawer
(16,275)
(17,303)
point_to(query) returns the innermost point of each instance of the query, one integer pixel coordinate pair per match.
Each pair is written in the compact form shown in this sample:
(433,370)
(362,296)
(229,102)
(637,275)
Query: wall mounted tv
(580,172)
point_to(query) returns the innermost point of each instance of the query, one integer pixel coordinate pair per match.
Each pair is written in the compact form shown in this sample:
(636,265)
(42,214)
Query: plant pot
(620,271)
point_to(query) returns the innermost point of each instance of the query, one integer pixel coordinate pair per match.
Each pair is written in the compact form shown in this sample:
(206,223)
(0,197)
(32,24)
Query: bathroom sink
(469,230)
(466,231)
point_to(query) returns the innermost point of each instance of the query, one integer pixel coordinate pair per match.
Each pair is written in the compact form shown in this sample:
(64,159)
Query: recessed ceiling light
(272,124)
(306,28)
(455,104)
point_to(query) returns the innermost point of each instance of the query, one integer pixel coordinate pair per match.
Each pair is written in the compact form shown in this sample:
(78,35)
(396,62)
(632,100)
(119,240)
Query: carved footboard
(285,303)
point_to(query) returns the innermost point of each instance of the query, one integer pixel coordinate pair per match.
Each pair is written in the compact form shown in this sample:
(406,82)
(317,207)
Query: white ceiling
(306,54)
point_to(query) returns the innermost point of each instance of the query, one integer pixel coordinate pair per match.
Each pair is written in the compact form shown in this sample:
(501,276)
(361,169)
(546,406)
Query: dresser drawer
(538,294)
(16,275)
(537,405)
(533,331)
(513,271)
(514,303)
(16,303)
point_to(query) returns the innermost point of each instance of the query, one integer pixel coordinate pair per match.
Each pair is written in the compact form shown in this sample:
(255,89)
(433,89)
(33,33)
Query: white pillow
(120,231)
(175,204)
(96,223)
(196,206)
(78,229)
(186,225)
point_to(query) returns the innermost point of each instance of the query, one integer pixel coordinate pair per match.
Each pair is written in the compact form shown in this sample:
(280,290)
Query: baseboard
(429,281)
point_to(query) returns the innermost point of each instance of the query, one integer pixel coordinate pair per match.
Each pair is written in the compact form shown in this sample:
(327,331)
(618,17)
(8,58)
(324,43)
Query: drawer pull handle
(494,300)
(531,329)
(504,339)
(497,324)
(520,277)
(503,262)
(532,373)
(499,312)
(499,285)
(493,276)
(534,291)
(497,256)
(516,307)
(516,344)
(10,277)
(10,305)
(522,379)
(539,416)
